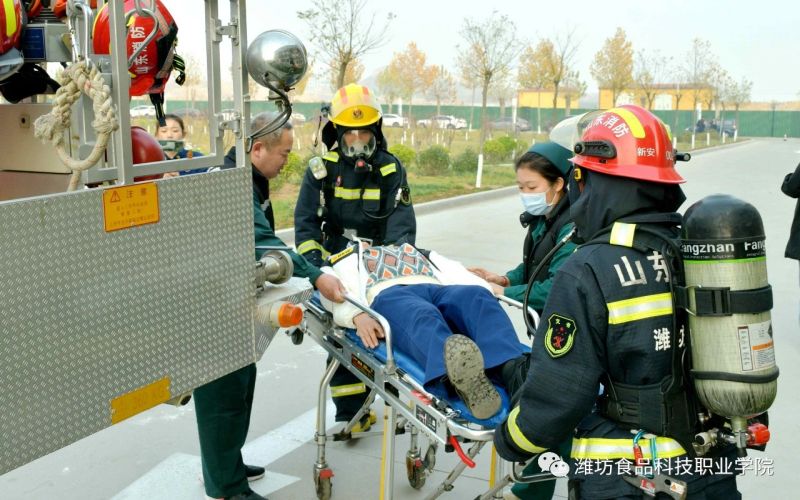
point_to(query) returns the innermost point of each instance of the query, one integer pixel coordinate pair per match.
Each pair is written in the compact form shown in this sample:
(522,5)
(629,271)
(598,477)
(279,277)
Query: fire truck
(121,295)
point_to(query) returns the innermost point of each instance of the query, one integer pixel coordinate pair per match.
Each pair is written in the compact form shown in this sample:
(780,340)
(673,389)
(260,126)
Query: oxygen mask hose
(546,260)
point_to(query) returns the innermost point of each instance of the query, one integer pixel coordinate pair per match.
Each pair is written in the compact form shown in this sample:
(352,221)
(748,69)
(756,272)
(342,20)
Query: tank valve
(274,266)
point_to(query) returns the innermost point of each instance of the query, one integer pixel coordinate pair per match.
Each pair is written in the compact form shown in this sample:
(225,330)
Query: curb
(287,235)
(719,146)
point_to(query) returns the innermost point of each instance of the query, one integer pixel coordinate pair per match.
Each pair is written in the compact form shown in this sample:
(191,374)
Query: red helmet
(151,68)
(628,141)
(59,7)
(32,7)
(145,149)
(12,22)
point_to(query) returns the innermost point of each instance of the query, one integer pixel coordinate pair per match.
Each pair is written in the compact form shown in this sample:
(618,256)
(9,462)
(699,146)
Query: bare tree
(558,58)
(411,73)
(389,85)
(344,32)
(195,78)
(504,90)
(491,47)
(613,64)
(682,82)
(534,73)
(442,87)
(649,74)
(740,94)
(715,82)
(574,87)
(698,63)
(469,80)
(352,74)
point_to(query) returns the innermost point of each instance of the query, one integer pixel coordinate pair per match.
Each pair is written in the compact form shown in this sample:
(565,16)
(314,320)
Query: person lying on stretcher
(442,316)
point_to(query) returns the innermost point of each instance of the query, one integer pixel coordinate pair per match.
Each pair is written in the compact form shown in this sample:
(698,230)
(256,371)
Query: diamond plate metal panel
(87,316)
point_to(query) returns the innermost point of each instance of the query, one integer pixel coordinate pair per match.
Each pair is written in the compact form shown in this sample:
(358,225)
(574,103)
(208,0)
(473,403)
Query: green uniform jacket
(264,222)
(541,238)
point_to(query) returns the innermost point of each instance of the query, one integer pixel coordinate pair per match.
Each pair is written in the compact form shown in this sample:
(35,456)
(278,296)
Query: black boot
(513,373)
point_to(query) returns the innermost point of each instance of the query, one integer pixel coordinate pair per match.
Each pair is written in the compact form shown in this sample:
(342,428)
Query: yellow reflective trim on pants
(388,169)
(630,119)
(648,306)
(622,234)
(518,437)
(11,19)
(311,245)
(331,156)
(354,194)
(348,390)
(610,449)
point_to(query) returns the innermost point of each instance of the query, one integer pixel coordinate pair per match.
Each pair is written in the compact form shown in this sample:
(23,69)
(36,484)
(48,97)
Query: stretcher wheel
(430,457)
(323,483)
(416,471)
(296,336)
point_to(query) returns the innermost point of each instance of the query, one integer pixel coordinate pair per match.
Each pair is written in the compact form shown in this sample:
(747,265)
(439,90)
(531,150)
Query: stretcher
(395,378)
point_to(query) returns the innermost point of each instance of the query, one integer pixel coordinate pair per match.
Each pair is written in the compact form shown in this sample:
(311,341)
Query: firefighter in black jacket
(358,189)
(609,320)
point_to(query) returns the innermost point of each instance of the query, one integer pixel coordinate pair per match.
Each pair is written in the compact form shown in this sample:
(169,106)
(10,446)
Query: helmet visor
(358,142)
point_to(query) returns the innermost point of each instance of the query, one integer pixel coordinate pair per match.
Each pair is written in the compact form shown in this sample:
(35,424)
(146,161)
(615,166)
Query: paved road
(155,454)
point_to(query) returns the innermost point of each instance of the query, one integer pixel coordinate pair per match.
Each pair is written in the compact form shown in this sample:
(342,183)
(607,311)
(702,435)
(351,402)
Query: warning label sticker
(756,347)
(130,206)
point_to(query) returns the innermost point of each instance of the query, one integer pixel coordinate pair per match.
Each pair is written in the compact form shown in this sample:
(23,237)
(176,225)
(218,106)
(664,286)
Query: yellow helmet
(354,106)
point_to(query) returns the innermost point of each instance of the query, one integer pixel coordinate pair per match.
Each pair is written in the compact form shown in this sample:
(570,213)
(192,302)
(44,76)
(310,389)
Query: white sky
(757,40)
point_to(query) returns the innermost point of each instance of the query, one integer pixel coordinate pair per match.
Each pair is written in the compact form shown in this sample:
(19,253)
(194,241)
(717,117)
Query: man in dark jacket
(609,320)
(357,189)
(791,187)
(223,406)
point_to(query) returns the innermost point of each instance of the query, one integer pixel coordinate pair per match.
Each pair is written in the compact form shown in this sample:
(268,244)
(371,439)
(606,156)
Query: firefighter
(223,406)
(609,320)
(358,189)
(542,176)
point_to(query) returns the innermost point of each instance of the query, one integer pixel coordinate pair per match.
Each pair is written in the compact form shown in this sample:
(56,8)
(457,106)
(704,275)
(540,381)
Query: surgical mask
(535,203)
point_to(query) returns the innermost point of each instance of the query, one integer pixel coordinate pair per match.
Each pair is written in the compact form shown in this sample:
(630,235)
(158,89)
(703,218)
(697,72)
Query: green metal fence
(750,123)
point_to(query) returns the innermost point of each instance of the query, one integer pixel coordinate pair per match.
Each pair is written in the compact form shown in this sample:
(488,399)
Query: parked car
(189,113)
(144,111)
(728,127)
(392,120)
(506,124)
(443,121)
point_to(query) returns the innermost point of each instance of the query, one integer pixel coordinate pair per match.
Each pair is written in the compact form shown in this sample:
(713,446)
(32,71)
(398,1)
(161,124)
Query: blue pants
(423,316)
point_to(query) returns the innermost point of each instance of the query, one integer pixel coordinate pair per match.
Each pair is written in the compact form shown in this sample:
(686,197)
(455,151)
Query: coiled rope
(80,77)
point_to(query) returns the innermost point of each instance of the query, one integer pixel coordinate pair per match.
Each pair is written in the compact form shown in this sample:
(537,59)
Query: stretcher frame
(416,408)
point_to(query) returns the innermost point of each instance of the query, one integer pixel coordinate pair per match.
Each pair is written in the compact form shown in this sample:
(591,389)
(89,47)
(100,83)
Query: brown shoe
(464,365)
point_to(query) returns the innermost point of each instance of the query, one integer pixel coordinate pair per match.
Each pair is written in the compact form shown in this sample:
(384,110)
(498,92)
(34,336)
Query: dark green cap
(555,153)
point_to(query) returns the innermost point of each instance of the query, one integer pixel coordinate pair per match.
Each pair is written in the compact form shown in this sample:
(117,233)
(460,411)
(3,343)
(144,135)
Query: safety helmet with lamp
(12,22)
(151,68)
(354,106)
(628,141)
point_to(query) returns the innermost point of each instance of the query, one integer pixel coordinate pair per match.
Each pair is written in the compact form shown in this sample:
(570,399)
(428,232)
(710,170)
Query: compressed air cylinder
(733,354)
